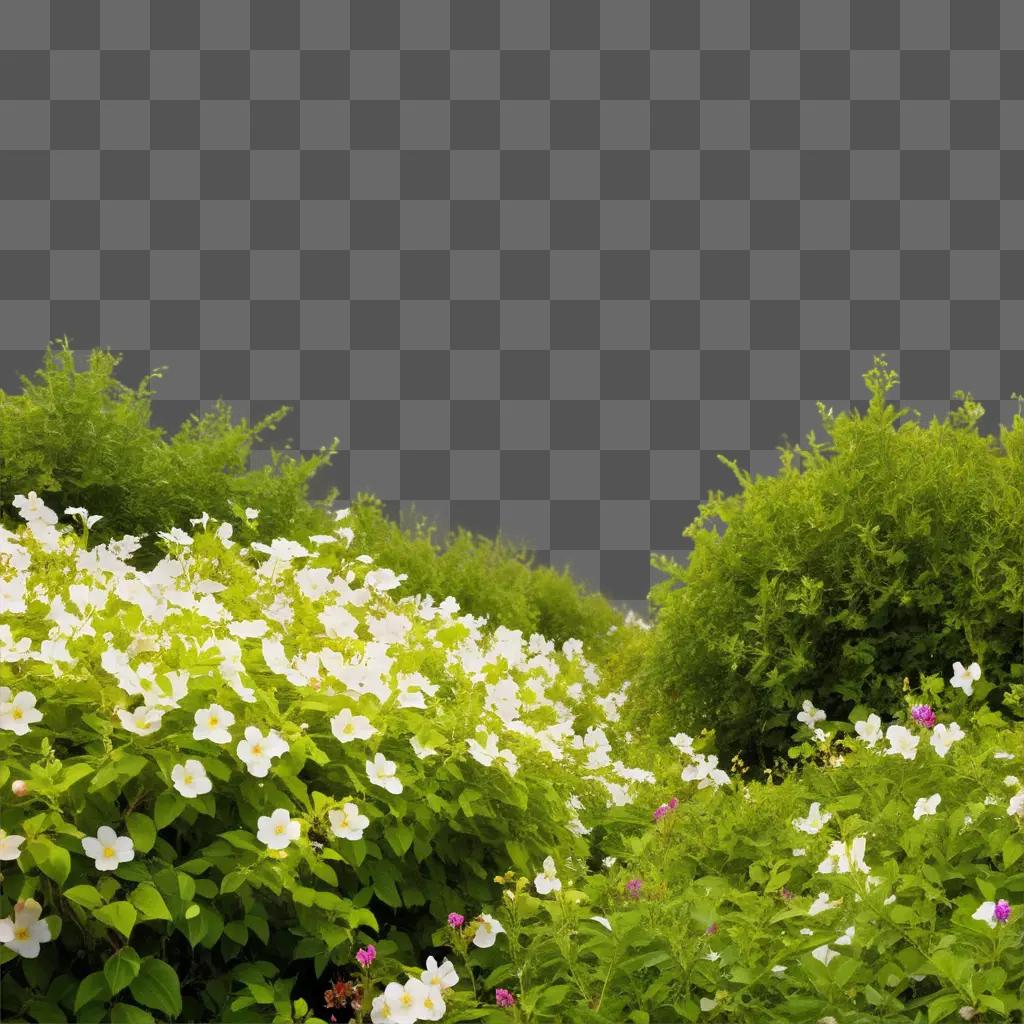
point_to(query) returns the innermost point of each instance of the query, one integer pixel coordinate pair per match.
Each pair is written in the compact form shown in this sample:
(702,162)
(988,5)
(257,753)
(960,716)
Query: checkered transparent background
(535,262)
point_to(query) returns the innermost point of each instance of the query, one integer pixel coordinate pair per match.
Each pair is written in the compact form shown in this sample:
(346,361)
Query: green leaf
(125,1013)
(72,774)
(84,895)
(167,807)
(93,987)
(121,968)
(236,932)
(150,903)
(324,872)
(53,860)
(233,881)
(1012,850)
(142,830)
(120,915)
(400,837)
(157,987)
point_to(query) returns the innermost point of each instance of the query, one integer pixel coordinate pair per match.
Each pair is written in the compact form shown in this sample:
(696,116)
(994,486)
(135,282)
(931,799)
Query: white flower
(26,933)
(926,806)
(347,727)
(33,509)
(381,772)
(943,737)
(18,714)
(142,721)
(1011,780)
(814,822)
(393,1006)
(821,904)
(825,954)
(1016,805)
(707,1005)
(252,513)
(278,829)
(965,678)
(190,779)
(10,846)
(421,749)
(212,724)
(811,715)
(846,938)
(902,741)
(108,849)
(844,857)
(347,822)
(548,880)
(83,514)
(1002,755)
(869,729)
(713,956)
(603,921)
(427,1001)
(176,536)
(799,851)
(440,975)
(682,743)
(806,931)
(705,772)
(987,913)
(256,750)
(779,969)
(487,930)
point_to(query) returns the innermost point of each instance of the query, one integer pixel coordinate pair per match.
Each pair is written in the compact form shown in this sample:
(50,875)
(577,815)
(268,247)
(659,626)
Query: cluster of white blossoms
(525,696)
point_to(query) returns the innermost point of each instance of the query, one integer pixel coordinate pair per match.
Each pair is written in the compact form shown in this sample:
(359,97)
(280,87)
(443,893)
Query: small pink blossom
(367,956)
(1003,910)
(712,929)
(923,715)
(456,920)
(504,998)
(633,887)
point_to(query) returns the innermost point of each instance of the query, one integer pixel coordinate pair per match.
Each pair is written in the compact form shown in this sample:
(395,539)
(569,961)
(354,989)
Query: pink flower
(673,804)
(660,812)
(456,920)
(1003,910)
(633,887)
(367,956)
(923,715)
(712,929)
(504,998)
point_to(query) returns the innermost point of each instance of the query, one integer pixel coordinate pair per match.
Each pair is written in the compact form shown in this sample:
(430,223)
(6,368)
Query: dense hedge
(892,546)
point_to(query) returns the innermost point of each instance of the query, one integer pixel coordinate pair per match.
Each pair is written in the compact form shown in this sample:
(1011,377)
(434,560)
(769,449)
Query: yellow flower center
(348,728)
(21,934)
(187,780)
(406,999)
(108,851)
(257,750)
(428,1003)
(17,713)
(279,830)
(436,979)
(213,720)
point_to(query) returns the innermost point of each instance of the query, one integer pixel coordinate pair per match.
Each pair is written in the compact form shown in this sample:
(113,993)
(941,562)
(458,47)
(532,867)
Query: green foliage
(489,577)
(206,921)
(891,548)
(82,438)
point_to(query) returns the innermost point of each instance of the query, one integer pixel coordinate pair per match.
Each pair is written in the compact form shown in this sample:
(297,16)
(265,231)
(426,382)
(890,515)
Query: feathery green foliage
(892,548)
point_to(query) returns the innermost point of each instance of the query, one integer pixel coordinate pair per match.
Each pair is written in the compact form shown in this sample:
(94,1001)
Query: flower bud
(19,787)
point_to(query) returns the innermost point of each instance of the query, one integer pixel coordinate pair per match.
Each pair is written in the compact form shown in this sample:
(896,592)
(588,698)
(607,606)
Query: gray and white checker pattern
(534,261)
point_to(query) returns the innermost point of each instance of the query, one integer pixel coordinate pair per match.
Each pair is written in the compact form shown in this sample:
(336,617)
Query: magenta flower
(712,929)
(456,920)
(504,998)
(660,812)
(673,804)
(367,956)
(923,715)
(633,887)
(1003,910)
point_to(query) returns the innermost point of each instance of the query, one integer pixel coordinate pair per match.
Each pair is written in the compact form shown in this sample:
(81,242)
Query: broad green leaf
(399,837)
(157,987)
(233,881)
(53,860)
(84,895)
(150,903)
(236,932)
(125,1013)
(93,987)
(121,968)
(72,774)
(120,915)
(167,807)
(142,830)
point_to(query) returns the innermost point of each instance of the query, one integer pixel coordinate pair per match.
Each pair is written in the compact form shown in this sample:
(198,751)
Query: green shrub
(892,547)
(84,439)
(108,679)
(492,577)
(719,910)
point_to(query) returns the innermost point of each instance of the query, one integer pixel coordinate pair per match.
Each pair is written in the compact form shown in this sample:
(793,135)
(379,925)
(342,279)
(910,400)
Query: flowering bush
(890,546)
(251,757)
